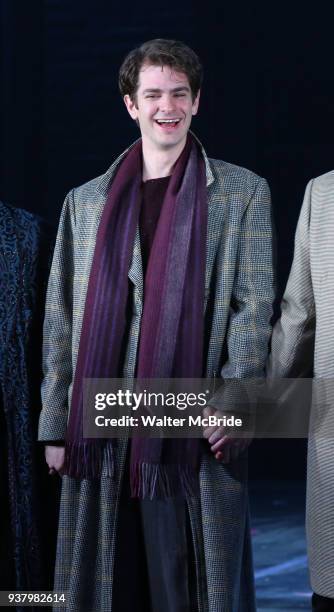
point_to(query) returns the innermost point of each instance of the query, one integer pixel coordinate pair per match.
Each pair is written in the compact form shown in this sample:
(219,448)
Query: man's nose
(167,104)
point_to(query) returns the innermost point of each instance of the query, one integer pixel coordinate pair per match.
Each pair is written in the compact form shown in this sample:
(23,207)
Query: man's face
(163,107)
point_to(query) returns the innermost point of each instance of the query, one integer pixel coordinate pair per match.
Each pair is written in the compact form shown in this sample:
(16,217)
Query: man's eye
(180,95)
(151,96)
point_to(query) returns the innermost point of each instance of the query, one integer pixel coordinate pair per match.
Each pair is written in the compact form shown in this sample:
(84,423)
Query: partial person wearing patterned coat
(302,346)
(237,305)
(24,256)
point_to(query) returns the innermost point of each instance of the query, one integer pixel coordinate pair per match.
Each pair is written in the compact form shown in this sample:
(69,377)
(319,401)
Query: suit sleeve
(57,331)
(293,337)
(253,291)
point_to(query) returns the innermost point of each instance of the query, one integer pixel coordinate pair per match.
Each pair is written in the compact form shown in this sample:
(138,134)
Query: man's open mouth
(168,123)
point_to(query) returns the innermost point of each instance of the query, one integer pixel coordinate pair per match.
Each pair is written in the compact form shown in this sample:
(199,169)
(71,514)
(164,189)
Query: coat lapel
(136,269)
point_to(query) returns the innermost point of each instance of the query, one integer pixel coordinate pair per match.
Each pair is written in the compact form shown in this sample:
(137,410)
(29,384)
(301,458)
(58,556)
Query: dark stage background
(267,104)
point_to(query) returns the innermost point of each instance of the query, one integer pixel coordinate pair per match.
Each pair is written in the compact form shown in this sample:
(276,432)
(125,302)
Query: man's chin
(171,143)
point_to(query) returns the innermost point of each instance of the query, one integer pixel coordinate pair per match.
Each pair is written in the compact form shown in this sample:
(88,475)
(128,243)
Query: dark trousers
(169,555)
(154,560)
(322,604)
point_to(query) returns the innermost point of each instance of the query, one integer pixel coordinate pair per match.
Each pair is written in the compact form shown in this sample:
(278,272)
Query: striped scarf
(171,336)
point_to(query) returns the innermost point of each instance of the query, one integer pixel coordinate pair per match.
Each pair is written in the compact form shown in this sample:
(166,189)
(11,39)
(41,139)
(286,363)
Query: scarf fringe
(86,460)
(153,480)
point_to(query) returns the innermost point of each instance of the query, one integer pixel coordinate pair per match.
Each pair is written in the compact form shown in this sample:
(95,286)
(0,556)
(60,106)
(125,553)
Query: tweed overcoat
(238,296)
(303,341)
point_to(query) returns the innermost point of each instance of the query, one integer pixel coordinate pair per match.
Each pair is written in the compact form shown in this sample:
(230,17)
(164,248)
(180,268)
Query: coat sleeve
(293,336)
(253,291)
(57,331)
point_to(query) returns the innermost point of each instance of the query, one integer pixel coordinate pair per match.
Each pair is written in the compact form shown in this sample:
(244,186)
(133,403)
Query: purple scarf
(171,336)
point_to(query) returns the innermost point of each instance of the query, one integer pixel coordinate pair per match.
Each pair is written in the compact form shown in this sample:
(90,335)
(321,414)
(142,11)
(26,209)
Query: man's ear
(131,106)
(196,103)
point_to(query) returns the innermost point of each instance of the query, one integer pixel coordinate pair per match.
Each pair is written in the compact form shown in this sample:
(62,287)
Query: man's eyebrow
(181,88)
(174,90)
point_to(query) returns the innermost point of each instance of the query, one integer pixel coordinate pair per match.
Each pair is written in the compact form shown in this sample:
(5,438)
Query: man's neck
(157,164)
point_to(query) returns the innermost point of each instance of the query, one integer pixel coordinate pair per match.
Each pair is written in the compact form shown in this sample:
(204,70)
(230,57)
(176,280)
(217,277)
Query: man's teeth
(168,120)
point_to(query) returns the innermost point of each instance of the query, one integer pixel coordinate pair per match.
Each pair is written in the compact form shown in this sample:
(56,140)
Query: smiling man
(162,268)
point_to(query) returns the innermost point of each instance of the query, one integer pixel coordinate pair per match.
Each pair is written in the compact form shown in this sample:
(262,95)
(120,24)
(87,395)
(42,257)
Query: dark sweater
(153,192)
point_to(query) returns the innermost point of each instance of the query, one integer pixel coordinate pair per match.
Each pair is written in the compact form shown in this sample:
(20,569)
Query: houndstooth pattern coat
(238,297)
(303,340)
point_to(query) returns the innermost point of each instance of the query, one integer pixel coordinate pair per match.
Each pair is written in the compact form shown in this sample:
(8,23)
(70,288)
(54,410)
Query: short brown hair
(160,52)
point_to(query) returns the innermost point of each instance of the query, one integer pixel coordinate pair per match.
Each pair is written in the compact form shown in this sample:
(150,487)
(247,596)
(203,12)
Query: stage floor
(278,534)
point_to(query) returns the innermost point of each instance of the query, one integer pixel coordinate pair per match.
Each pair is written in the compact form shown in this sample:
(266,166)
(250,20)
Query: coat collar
(106,178)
